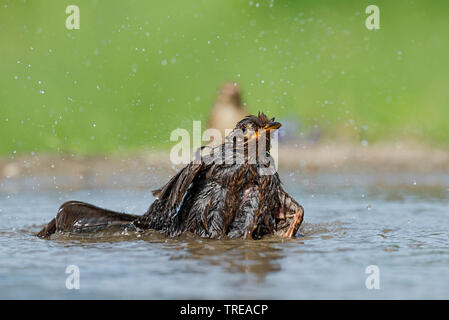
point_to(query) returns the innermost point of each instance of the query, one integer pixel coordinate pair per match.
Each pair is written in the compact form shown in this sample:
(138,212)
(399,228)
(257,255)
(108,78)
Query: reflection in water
(254,258)
(257,258)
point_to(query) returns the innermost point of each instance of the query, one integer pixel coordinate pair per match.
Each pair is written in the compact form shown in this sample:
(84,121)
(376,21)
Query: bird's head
(230,94)
(253,127)
(249,141)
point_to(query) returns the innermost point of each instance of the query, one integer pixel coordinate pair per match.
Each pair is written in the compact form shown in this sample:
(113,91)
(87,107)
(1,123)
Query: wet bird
(232,191)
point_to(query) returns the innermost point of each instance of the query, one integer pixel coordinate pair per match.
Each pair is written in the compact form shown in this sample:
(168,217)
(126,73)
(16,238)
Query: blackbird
(231,191)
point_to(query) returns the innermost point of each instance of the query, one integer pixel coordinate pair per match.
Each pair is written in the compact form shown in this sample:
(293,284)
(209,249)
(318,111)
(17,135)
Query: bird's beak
(269,127)
(272,126)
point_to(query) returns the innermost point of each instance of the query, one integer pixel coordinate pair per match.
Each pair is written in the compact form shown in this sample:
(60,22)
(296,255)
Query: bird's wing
(288,204)
(173,192)
(290,215)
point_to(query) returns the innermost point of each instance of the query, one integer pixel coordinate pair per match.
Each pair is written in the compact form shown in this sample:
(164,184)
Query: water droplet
(164,62)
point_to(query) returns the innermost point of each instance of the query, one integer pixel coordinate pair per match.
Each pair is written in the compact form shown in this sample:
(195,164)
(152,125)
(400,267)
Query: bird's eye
(244,129)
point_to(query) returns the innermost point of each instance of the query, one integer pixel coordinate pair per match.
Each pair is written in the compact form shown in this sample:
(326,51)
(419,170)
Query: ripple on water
(404,233)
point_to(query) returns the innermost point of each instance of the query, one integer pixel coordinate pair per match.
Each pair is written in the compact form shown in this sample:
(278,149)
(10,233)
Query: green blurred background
(136,70)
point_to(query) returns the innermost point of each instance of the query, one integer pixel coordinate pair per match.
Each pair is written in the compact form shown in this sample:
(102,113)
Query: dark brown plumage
(224,193)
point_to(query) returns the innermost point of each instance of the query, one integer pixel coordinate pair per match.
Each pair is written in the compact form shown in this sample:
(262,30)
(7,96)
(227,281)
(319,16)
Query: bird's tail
(76,216)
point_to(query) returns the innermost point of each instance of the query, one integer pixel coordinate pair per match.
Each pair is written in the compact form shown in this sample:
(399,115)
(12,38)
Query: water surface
(398,223)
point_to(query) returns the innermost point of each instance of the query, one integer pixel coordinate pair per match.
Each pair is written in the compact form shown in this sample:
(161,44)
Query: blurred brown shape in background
(228,109)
